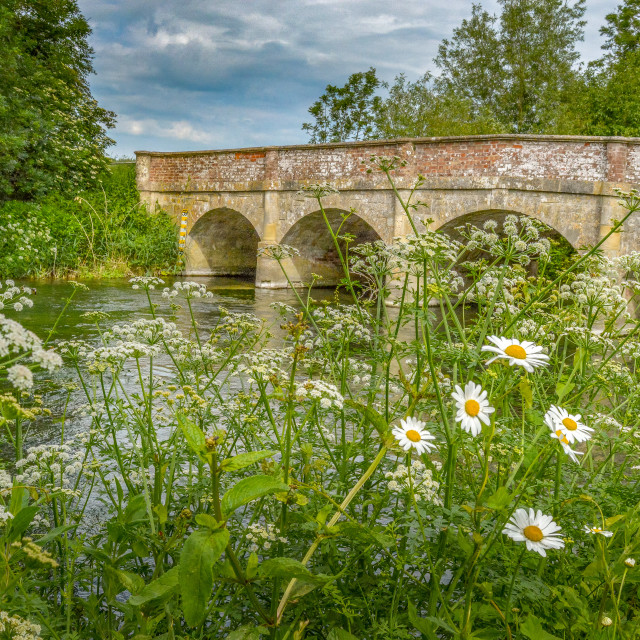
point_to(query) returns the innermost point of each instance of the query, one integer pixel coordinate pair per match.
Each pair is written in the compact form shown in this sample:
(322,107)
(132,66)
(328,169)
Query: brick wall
(530,157)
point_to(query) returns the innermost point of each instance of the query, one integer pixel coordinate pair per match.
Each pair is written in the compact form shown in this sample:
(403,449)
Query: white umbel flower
(20,377)
(473,407)
(413,435)
(560,435)
(558,418)
(521,354)
(597,531)
(537,531)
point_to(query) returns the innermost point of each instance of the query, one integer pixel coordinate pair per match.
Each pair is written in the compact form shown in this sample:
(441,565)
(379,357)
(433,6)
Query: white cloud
(189,74)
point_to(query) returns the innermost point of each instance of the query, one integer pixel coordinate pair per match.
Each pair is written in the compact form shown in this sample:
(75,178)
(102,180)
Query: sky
(215,74)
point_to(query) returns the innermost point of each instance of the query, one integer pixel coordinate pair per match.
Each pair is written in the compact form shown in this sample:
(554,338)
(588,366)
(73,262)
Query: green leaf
(195,571)
(532,629)
(252,566)
(563,388)
(205,520)
(425,627)
(162,587)
(193,434)
(500,499)
(136,508)
(289,568)
(243,460)
(21,521)
(249,489)
(340,634)
(526,392)
(130,581)
(376,419)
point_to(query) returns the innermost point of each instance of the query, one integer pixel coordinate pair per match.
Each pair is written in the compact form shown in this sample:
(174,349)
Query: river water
(124,304)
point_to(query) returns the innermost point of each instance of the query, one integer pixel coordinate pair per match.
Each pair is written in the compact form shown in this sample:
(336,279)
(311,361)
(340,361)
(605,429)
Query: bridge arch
(318,254)
(478,218)
(222,242)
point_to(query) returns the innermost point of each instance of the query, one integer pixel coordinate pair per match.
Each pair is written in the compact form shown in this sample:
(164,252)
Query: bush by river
(101,233)
(341,469)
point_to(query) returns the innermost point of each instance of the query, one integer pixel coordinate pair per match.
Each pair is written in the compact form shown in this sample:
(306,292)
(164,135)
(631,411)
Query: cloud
(191,74)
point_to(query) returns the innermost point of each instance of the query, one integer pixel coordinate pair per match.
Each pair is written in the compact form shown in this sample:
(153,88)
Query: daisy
(595,530)
(472,406)
(559,418)
(538,531)
(562,438)
(413,435)
(522,354)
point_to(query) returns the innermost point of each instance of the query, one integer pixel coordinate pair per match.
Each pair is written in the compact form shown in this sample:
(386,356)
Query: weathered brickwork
(566,181)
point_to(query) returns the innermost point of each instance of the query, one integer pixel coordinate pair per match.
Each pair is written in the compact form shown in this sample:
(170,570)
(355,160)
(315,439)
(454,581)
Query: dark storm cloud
(190,74)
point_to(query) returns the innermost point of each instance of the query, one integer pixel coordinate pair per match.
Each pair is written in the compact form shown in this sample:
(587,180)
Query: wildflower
(413,435)
(596,530)
(562,438)
(20,377)
(523,354)
(630,562)
(472,406)
(606,621)
(558,418)
(538,531)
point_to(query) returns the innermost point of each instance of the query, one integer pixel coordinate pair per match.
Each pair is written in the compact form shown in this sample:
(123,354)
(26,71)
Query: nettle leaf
(163,587)
(247,632)
(243,460)
(249,489)
(526,392)
(289,568)
(195,571)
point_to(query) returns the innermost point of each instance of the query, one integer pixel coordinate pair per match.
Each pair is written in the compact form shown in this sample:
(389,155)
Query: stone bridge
(238,200)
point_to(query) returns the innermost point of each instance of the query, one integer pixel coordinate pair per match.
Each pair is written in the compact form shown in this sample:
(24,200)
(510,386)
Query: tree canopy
(515,72)
(52,131)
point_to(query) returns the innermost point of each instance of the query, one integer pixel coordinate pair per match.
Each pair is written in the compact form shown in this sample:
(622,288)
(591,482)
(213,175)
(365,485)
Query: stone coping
(399,141)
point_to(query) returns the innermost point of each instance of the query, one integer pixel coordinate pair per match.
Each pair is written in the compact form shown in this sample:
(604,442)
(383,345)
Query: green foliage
(104,230)
(518,66)
(52,132)
(418,109)
(347,112)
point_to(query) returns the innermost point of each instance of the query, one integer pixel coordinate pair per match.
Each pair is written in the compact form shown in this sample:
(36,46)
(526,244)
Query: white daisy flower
(413,435)
(473,407)
(559,418)
(597,530)
(538,531)
(561,436)
(522,354)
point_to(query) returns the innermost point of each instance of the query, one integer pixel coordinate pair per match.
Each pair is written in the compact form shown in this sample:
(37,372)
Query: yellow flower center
(472,407)
(413,435)
(572,425)
(516,351)
(562,437)
(533,533)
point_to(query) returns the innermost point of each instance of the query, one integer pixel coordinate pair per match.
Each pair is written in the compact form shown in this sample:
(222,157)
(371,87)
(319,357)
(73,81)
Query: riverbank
(105,233)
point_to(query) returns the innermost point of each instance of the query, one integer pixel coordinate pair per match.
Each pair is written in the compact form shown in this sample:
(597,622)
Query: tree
(346,113)
(52,131)
(417,109)
(612,98)
(623,29)
(519,66)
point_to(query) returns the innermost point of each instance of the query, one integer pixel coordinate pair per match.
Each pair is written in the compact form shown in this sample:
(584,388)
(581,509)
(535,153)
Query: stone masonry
(241,199)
